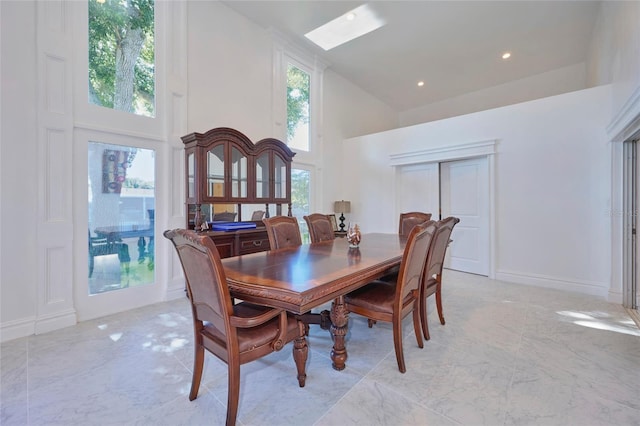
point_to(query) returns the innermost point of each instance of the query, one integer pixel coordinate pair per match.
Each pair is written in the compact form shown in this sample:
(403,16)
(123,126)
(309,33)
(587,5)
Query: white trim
(593,288)
(15,329)
(445,153)
(459,152)
(627,121)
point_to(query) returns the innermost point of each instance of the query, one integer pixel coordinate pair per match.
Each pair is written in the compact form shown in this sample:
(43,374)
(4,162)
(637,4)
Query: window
(122,55)
(121,196)
(298,90)
(301,199)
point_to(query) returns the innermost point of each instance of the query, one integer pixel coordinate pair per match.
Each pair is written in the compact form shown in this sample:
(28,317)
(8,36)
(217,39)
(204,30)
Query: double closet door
(453,188)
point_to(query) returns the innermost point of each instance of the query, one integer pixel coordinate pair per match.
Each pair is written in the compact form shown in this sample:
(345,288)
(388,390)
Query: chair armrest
(280,340)
(248,322)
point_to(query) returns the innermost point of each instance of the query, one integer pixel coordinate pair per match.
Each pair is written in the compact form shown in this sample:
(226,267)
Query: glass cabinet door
(215,172)
(262,176)
(191,189)
(238,174)
(280,177)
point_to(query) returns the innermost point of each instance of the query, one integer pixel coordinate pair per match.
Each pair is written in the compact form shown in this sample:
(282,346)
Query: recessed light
(346,27)
(506,55)
(421,83)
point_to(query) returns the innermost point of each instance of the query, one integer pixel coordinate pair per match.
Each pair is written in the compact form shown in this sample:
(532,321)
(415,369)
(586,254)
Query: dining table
(299,279)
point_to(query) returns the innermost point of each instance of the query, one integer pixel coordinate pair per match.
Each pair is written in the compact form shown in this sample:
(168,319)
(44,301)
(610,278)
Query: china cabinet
(228,179)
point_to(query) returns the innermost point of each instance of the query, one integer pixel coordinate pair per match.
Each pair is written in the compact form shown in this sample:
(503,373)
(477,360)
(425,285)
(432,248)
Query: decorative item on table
(342,207)
(353,255)
(354,236)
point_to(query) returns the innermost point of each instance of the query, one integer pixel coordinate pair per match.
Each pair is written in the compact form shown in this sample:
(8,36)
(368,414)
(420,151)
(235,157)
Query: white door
(418,189)
(465,195)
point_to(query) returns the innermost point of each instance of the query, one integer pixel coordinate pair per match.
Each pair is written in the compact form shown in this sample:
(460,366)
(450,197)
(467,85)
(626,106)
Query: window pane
(238,173)
(300,199)
(121,195)
(122,55)
(298,85)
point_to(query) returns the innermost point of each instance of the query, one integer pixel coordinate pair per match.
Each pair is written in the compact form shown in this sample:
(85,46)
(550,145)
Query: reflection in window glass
(300,199)
(121,200)
(298,87)
(122,55)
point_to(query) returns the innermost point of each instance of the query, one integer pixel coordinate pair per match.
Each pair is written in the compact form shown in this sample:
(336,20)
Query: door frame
(462,151)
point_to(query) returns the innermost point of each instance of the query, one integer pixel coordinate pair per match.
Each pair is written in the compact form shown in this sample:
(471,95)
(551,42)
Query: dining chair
(320,228)
(104,246)
(283,231)
(432,277)
(393,301)
(236,334)
(257,215)
(411,219)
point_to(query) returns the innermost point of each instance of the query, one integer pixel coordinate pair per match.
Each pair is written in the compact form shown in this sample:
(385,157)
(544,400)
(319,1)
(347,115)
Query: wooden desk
(301,278)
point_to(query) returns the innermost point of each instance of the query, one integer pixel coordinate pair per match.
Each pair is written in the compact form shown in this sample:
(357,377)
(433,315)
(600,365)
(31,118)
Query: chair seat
(250,338)
(375,296)
(431,287)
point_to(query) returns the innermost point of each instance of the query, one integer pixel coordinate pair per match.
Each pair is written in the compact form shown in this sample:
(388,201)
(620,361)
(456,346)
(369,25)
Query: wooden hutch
(229,178)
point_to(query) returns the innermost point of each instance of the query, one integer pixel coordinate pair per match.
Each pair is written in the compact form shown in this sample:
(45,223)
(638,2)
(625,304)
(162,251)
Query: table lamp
(342,207)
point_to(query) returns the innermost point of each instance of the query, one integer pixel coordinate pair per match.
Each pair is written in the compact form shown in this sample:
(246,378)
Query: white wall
(561,80)
(230,85)
(19,161)
(552,184)
(615,54)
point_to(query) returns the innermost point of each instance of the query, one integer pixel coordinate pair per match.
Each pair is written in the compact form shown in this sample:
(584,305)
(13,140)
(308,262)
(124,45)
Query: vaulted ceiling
(455,47)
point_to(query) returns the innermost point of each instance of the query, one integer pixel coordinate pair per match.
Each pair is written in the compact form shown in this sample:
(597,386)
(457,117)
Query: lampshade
(342,206)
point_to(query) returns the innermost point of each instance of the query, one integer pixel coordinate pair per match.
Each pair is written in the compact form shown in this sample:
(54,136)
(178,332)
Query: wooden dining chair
(320,228)
(283,231)
(393,301)
(411,219)
(432,277)
(236,334)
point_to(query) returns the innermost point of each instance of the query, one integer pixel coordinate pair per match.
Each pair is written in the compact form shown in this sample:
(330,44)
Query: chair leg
(198,364)
(423,318)
(91,262)
(234,390)
(397,342)
(300,354)
(416,323)
(439,303)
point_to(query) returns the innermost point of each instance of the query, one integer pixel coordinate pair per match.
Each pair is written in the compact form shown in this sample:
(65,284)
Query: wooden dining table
(301,278)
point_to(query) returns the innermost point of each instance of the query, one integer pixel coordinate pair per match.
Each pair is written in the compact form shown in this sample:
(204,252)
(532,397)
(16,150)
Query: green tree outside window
(122,55)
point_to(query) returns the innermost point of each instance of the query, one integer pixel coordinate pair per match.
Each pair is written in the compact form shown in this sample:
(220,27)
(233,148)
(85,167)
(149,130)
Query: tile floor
(508,355)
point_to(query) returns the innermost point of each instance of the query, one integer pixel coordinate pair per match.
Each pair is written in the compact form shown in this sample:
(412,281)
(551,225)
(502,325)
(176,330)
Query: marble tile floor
(508,355)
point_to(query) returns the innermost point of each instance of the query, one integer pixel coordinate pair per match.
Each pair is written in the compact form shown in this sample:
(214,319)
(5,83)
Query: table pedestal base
(339,322)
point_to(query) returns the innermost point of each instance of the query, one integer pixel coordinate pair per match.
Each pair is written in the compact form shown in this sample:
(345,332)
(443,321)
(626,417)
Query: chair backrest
(320,228)
(435,258)
(411,219)
(413,260)
(283,231)
(205,278)
(225,216)
(257,215)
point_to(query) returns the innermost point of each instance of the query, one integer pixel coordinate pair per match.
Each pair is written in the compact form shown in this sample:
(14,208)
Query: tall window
(122,55)
(121,196)
(301,199)
(298,89)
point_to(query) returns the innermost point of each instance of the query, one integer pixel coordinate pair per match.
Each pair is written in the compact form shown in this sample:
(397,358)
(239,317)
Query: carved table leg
(300,354)
(339,322)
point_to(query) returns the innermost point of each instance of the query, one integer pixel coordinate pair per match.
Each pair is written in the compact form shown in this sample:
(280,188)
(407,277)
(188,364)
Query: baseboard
(176,292)
(24,327)
(10,330)
(635,316)
(593,288)
(47,323)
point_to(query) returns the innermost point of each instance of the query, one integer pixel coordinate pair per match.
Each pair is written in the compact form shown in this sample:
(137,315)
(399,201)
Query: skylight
(351,25)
